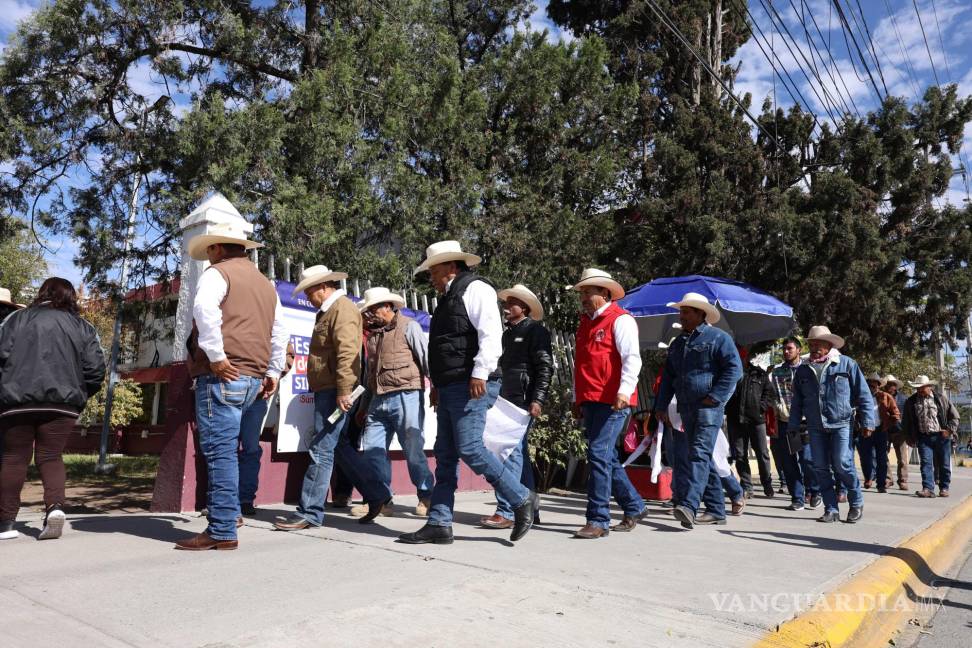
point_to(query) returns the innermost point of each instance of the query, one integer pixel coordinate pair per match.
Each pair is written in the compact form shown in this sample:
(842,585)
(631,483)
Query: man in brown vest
(237,351)
(333,367)
(397,364)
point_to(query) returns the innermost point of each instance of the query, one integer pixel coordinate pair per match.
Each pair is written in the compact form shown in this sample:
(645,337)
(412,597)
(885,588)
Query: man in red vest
(607,361)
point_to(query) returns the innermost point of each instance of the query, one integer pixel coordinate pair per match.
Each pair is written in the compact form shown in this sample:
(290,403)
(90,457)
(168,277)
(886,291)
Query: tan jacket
(887,409)
(334,360)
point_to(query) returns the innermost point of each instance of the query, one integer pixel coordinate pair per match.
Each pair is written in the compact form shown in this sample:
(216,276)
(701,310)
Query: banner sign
(295,426)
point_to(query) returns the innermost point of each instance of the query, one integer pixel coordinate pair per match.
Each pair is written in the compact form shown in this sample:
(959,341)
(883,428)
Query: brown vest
(391,365)
(248,312)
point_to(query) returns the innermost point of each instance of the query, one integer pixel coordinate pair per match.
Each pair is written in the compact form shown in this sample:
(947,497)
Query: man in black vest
(464,350)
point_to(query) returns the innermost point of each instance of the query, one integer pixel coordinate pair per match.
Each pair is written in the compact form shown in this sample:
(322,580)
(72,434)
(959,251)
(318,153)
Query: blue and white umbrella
(748,314)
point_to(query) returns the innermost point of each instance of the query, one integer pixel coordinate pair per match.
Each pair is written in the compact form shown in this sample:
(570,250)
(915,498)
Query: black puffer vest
(453,340)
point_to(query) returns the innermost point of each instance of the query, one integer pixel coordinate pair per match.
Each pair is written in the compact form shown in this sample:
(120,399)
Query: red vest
(597,363)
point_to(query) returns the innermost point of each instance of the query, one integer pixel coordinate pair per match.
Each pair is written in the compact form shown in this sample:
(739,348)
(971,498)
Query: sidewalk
(114,580)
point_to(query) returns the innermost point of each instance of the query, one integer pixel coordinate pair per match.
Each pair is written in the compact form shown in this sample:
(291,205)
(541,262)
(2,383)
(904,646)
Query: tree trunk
(312,22)
(716,51)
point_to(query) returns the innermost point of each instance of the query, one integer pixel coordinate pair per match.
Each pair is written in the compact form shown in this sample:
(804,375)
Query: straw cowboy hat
(5,298)
(922,381)
(891,380)
(695,300)
(526,296)
(876,377)
(823,333)
(219,233)
(601,279)
(315,275)
(446,251)
(380,295)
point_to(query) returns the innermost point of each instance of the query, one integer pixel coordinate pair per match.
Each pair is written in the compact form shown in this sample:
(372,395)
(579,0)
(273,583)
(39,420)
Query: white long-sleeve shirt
(482,307)
(625,331)
(206,310)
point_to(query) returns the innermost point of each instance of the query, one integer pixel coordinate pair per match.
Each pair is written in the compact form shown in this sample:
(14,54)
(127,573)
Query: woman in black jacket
(51,363)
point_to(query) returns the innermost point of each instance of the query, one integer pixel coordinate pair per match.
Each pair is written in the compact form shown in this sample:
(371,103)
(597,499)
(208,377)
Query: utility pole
(103,467)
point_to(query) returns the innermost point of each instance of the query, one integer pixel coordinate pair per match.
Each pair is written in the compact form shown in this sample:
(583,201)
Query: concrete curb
(874,603)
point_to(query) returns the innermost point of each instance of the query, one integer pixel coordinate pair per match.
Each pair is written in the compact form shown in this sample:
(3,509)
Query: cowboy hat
(526,296)
(695,300)
(6,298)
(875,377)
(446,251)
(891,380)
(219,233)
(601,279)
(380,295)
(823,333)
(315,275)
(922,381)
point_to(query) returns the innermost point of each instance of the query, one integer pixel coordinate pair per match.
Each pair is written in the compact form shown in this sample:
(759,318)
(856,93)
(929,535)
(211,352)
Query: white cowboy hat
(876,377)
(317,274)
(6,298)
(526,296)
(922,381)
(446,251)
(379,295)
(601,279)
(823,333)
(695,300)
(219,233)
(890,379)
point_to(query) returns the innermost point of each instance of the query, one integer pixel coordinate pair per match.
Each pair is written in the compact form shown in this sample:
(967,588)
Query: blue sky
(907,66)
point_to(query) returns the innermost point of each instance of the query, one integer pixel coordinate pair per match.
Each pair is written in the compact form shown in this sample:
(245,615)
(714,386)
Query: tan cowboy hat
(695,300)
(823,333)
(526,296)
(876,377)
(446,251)
(219,233)
(380,295)
(922,381)
(6,298)
(890,379)
(601,279)
(317,274)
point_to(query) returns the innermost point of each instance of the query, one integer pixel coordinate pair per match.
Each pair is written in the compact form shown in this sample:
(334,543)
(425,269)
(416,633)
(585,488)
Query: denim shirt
(830,402)
(704,363)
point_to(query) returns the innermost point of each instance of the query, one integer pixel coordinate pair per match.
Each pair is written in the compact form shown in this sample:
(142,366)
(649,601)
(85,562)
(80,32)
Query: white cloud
(12,12)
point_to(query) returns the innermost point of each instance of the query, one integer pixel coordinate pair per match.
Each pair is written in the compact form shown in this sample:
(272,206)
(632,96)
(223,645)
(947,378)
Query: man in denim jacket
(702,370)
(826,391)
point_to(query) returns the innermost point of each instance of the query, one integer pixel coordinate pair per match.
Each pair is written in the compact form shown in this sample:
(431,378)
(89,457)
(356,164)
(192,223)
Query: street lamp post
(103,467)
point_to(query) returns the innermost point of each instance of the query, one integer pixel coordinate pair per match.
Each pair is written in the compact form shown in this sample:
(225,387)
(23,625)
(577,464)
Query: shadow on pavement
(153,527)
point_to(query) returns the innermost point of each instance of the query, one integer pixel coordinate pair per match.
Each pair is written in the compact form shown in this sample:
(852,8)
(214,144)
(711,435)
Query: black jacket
(527,363)
(49,360)
(453,340)
(753,395)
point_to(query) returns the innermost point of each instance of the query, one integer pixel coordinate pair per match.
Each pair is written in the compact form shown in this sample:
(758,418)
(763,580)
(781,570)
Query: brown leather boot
(202,542)
(590,532)
(495,521)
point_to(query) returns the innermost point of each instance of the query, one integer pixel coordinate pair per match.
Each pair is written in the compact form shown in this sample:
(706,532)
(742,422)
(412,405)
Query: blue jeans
(519,459)
(801,477)
(602,426)
(733,489)
(461,421)
(704,484)
(330,440)
(834,454)
(874,451)
(681,468)
(251,427)
(220,408)
(935,452)
(401,413)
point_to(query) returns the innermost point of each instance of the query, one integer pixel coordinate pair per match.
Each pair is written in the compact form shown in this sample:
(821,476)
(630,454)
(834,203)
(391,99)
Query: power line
(850,32)
(833,60)
(948,71)
(827,105)
(813,46)
(904,52)
(925,38)
(867,31)
(705,65)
